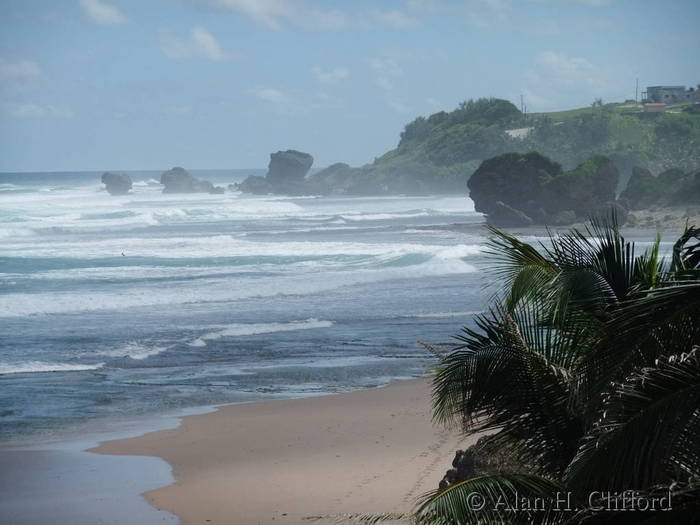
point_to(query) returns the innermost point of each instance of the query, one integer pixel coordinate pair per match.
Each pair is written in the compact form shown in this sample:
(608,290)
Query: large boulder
(116,183)
(288,166)
(286,175)
(178,180)
(521,189)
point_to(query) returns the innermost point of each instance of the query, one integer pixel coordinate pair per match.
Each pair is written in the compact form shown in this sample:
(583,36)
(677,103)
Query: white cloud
(486,13)
(482,13)
(331,76)
(396,104)
(391,18)
(267,12)
(593,2)
(270,95)
(31,110)
(21,69)
(556,79)
(277,13)
(565,71)
(102,12)
(200,43)
(386,71)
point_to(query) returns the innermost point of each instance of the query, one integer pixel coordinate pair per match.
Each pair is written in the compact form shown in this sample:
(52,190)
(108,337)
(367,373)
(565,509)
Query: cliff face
(521,189)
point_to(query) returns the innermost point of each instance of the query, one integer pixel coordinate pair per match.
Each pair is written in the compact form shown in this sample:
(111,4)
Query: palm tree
(586,370)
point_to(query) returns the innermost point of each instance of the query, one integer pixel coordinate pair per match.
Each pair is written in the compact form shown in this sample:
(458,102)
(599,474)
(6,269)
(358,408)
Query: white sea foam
(238,330)
(383,216)
(440,315)
(323,362)
(220,246)
(218,290)
(27,367)
(134,350)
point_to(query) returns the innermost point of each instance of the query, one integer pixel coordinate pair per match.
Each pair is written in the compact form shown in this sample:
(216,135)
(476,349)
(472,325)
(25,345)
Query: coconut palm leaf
(686,253)
(500,380)
(661,323)
(648,430)
(493,499)
(520,267)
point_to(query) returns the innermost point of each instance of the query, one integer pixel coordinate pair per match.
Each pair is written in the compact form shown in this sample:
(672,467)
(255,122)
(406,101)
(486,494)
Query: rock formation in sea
(286,174)
(178,180)
(517,189)
(116,183)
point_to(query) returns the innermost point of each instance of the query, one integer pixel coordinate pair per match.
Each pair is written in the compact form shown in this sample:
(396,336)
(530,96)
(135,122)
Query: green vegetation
(673,187)
(586,372)
(451,145)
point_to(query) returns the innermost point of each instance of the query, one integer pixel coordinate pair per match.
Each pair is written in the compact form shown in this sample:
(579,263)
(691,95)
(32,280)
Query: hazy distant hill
(439,152)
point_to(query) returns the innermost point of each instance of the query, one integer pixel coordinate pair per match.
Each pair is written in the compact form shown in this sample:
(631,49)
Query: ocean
(114,307)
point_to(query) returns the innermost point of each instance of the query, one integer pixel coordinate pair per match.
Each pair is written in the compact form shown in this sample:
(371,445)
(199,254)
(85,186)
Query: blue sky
(149,84)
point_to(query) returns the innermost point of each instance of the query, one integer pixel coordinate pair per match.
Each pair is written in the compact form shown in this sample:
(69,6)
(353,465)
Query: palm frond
(686,254)
(647,432)
(492,499)
(661,323)
(499,380)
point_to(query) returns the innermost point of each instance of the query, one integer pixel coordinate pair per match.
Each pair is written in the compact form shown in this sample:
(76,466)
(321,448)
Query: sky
(151,84)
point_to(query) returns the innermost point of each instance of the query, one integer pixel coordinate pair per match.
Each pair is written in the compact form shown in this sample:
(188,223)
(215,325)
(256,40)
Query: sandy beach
(285,461)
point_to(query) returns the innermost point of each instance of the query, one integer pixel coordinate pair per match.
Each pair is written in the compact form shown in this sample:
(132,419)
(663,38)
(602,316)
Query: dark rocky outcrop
(116,183)
(517,189)
(484,457)
(342,179)
(255,184)
(288,167)
(178,180)
(286,175)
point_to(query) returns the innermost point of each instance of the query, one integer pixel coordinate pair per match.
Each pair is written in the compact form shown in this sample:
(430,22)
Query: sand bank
(371,451)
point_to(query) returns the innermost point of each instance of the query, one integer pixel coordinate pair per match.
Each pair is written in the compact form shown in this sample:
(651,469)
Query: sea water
(117,306)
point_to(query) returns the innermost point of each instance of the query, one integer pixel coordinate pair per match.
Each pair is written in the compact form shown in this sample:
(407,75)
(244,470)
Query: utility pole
(636,92)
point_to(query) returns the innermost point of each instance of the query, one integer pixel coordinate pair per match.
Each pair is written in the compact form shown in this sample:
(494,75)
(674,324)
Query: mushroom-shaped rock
(116,183)
(288,166)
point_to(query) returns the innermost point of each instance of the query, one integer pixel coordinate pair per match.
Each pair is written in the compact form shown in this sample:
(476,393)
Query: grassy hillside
(444,149)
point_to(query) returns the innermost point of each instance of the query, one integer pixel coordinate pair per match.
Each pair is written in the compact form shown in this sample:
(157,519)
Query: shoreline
(289,460)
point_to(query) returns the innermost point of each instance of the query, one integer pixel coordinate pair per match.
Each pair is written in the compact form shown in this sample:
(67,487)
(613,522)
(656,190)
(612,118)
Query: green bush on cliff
(673,187)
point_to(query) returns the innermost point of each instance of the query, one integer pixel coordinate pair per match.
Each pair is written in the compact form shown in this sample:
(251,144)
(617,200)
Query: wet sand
(285,461)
